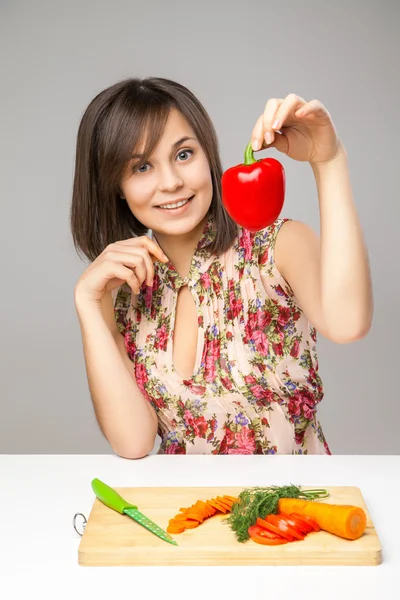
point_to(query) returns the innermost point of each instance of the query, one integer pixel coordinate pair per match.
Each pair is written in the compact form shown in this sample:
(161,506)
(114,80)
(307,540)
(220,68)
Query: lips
(160,206)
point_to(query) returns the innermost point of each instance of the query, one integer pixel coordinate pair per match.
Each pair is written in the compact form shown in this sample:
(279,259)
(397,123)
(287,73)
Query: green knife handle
(110,497)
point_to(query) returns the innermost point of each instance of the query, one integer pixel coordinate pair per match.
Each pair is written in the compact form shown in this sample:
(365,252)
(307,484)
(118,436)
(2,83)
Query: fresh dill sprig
(258,501)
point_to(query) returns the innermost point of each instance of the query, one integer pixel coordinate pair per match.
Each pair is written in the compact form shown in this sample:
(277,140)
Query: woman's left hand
(307,130)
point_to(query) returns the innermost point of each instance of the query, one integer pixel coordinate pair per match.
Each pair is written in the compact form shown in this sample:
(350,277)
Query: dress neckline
(168,273)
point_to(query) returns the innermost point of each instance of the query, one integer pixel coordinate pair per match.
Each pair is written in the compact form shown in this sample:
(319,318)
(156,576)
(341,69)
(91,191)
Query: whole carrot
(346,521)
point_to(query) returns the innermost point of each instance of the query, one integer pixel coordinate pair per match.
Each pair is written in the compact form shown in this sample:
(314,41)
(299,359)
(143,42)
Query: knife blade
(108,496)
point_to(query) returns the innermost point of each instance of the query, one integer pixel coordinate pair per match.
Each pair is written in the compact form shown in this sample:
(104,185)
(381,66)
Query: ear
(120,193)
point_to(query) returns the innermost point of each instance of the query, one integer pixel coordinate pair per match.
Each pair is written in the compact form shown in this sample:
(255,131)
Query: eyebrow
(175,145)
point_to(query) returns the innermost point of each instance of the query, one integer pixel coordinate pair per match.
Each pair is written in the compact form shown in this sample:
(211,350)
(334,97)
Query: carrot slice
(190,524)
(212,509)
(219,506)
(180,517)
(201,510)
(224,502)
(228,502)
(232,498)
(215,505)
(175,528)
(192,516)
(205,508)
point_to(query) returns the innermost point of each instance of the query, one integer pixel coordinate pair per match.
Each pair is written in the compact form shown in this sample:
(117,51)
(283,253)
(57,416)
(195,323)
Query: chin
(180,225)
(177,228)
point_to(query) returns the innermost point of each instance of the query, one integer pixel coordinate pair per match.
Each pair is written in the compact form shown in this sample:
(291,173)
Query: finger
(288,107)
(144,253)
(257,134)
(129,259)
(154,250)
(312,107)
(125,274)
(269,117)
(145,242)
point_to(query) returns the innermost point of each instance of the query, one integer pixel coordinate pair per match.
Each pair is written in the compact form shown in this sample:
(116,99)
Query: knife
(112,499)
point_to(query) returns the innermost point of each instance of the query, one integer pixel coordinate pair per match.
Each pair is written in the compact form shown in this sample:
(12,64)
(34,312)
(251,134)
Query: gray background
(56,56)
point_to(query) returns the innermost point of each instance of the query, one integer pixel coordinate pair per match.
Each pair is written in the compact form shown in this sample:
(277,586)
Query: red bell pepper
(253,193)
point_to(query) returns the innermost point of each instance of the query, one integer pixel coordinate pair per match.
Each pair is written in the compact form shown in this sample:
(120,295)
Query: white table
(40,494)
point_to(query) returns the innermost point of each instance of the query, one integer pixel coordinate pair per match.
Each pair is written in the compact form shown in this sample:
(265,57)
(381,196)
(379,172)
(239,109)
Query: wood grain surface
(112,539)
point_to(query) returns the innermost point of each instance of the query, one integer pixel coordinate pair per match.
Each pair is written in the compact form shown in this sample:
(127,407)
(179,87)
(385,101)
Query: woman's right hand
(129,261)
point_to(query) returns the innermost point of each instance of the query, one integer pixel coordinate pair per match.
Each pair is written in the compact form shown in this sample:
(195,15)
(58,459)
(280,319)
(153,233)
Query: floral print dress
(255,385)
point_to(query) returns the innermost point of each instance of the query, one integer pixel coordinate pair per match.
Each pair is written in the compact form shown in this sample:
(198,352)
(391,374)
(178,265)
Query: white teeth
(177,205)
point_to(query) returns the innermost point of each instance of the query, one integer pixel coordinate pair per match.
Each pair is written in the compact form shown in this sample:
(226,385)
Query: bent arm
(125,417)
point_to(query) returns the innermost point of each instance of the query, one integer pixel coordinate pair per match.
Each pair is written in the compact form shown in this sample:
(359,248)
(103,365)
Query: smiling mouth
(175,206)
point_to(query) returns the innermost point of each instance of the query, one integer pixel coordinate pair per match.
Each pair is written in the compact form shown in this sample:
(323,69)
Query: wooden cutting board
(112,539)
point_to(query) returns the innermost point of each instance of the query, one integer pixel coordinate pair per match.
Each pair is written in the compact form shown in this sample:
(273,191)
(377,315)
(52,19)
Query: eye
(185,152)
(138,168)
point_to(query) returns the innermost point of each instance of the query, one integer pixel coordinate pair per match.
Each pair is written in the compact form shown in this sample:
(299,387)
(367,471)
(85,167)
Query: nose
(169,180)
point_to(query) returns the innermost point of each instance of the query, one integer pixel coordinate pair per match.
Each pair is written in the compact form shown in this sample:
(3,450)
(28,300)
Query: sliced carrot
(194,507)
(192,516)
(180,517)
(227,508)
(209,511)
(224,502)
(218,505)
(174,523)
(215,506)
(175,528)
(190,524)
(197,508)
(205,508)
(232,498)
(212,509)
(237,501)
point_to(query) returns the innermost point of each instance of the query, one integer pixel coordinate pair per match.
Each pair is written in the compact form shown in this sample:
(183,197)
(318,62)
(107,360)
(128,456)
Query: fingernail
(268,137)
(256,145)
(276,125)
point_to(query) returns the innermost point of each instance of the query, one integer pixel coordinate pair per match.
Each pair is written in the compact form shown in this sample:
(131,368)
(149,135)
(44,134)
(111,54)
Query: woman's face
(175,172)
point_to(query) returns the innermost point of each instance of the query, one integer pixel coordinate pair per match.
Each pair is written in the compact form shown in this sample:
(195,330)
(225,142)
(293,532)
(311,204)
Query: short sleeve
(264,247)
(122,306)
(265,241)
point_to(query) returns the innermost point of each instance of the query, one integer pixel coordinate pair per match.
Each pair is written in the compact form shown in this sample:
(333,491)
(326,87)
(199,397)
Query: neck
(180,248)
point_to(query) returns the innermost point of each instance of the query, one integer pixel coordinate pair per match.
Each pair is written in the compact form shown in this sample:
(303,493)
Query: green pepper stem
(249,156)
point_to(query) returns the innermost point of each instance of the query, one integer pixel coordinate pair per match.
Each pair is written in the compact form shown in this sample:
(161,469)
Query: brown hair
(110,129)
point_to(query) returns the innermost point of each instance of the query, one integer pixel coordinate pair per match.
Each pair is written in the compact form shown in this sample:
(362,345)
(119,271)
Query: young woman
(193,327)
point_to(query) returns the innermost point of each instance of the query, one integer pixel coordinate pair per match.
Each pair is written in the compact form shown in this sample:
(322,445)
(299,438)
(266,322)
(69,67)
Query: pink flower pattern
(257,387)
